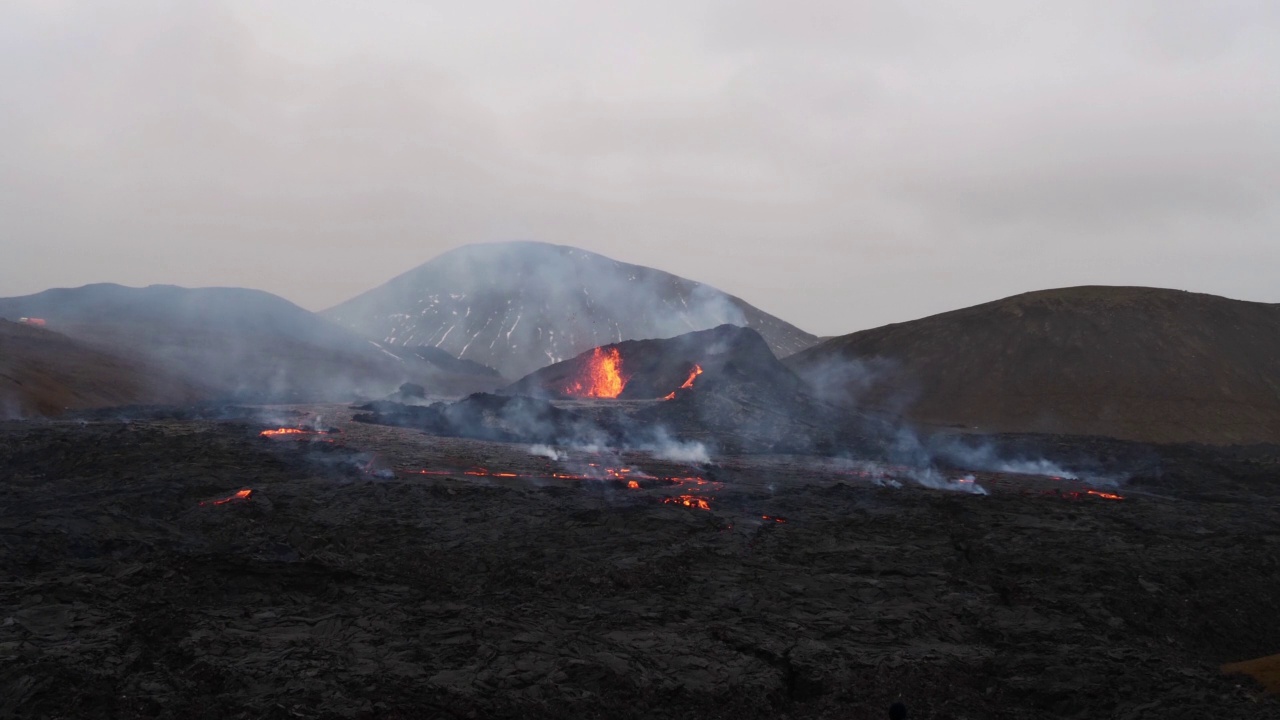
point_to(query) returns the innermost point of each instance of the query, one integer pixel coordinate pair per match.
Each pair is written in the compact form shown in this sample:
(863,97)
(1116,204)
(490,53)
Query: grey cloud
(840,164)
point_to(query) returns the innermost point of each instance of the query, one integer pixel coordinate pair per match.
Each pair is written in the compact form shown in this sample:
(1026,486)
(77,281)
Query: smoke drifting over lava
(694,397)
(520,306)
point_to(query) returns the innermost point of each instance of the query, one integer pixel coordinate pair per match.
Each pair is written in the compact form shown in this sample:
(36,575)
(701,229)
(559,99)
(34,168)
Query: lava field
(209,565)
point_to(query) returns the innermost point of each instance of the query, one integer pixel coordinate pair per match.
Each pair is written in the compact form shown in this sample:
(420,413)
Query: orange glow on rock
(693,375)
(1105,495)
(601,377)
(284,431)
(692,501)
(240,495)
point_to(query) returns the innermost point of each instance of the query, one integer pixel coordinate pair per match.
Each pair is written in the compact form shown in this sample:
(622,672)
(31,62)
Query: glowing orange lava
(1105,495)
(633,484)
(601,377)
(241,495)
(692,501)
(284,431)
(693,375)
(688,384)
(298,433)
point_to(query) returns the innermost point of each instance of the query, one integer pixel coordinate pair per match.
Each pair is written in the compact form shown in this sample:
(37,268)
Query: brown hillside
(1137,363)
(44,373)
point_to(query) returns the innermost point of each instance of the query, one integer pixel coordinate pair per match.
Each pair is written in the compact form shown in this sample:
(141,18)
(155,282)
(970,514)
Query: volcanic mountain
(722,386)
(44,373)
(520,306)
(664,368)
(1128,362)
(236,343)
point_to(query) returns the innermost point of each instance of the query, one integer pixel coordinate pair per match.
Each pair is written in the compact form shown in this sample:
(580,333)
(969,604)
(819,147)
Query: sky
(839,163)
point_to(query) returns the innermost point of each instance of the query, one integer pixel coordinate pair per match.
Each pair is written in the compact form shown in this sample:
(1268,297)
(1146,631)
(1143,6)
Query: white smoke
(665,447)
(986,456)
(684,452)
(547,452)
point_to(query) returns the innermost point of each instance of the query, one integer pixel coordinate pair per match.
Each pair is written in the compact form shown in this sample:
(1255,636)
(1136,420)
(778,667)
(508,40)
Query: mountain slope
(44,373)
(1138,363)
(520,306)
(652,369)
(245,344)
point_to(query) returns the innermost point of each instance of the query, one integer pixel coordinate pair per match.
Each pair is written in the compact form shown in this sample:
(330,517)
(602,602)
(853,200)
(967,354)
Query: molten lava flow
(688,384)
(284,431)
(633,485)
(241,495)
(693,374)
(298,432)
(1105,495)
(692,501)
(601,377)
(774,519)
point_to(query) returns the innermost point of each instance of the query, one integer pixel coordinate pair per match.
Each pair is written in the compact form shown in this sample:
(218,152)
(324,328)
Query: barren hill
(1128,362)
(520,306)
(44,373)
(243,344)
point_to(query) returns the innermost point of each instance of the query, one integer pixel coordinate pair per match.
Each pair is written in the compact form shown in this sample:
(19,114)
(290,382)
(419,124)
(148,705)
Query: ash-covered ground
(376,571)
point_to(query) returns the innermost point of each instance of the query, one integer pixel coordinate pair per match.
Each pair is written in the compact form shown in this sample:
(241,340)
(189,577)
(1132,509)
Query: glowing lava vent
(601,376)
(692,501)
(693,375)
(688,384)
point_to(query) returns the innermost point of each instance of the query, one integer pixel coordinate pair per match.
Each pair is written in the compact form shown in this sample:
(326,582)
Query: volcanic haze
(520,306)
(44,373)
(246,345)
(1137,363)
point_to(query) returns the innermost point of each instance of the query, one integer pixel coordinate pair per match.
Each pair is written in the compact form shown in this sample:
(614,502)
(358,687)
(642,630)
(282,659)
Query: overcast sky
(841,163)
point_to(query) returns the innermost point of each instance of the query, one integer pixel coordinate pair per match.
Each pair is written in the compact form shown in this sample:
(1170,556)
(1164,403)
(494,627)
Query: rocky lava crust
(377,572)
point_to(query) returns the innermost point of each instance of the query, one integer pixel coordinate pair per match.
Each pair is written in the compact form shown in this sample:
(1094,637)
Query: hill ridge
(1139,363)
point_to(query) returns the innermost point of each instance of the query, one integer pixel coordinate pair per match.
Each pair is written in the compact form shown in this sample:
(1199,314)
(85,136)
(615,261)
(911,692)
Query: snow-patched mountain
(519,306)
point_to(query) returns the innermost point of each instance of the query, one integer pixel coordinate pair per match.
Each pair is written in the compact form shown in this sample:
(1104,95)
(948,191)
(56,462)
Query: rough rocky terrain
(377,572)
(1139,363)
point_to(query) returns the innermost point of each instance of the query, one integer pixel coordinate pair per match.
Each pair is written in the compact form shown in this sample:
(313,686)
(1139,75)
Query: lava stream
(688,384)
(693,375)
(295,432)
(1105,495)
(241,495)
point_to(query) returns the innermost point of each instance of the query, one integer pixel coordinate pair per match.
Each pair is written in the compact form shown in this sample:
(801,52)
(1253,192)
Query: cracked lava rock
(138,579)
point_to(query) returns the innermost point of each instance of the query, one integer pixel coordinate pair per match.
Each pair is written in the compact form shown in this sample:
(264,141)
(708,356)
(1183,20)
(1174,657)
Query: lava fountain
(601,376)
